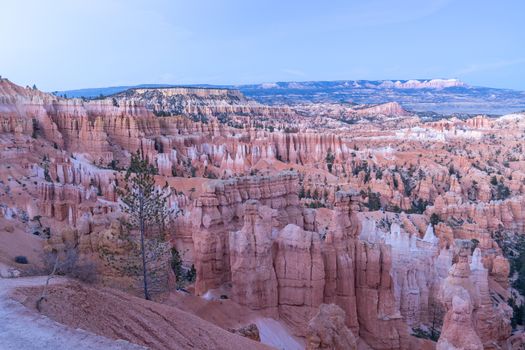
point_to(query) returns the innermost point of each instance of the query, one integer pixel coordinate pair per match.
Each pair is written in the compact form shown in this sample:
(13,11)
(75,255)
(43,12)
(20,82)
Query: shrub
(419,206)
(374,201)
(191,275)
(114,164)
(424,334)
(69,265)
(502,191)
(435,219)
(518,313)
(36,128)
(316,204)
(302,193)
(20,259)
(86,273)
(176,263)
(475,243)
(407,184)
(396,209)
(379,174)
(330,157)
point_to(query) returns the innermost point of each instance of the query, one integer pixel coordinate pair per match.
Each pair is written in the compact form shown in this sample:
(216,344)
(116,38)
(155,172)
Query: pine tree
(144,204)
(330,157)
(176,265)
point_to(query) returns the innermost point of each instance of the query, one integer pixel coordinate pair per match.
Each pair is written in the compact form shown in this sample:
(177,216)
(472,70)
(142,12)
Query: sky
(70,44)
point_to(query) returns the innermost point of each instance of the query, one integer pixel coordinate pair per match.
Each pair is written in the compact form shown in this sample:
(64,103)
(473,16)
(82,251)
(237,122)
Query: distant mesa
(443,96)
(351,84)
(368,84)
(422,84)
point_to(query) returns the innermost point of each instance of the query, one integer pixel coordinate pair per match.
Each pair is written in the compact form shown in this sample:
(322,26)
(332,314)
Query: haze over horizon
(63,45)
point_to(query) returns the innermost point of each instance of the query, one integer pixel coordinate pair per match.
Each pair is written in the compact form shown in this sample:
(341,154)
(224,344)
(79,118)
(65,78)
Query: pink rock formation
(300,274)
(327,330)
(472,316)
(339,254)
(458,331)
(254,281)
(62,159)
(298,268)
(380,322)
(220,208)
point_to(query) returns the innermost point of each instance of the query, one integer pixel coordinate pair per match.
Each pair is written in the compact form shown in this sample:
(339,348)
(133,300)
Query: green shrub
(374,201)
(435,219)
(20,259)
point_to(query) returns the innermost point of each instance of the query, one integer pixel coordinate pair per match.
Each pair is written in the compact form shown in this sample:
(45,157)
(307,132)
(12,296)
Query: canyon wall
(282,211)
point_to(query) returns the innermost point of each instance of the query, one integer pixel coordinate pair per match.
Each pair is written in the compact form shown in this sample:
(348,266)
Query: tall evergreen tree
(145,204)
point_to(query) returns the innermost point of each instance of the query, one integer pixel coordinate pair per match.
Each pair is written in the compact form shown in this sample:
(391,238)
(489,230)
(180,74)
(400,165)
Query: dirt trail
(22,328)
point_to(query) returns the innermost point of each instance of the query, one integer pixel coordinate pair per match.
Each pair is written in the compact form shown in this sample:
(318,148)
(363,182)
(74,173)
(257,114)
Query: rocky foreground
(349,226)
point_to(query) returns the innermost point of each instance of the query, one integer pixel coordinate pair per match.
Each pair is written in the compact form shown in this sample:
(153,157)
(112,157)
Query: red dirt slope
(117,315)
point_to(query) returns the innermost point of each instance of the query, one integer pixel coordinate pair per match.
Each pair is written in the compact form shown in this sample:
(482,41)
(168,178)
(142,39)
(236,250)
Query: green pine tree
(144,204)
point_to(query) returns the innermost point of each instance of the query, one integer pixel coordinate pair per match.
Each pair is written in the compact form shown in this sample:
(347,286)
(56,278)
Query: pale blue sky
(67,44)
